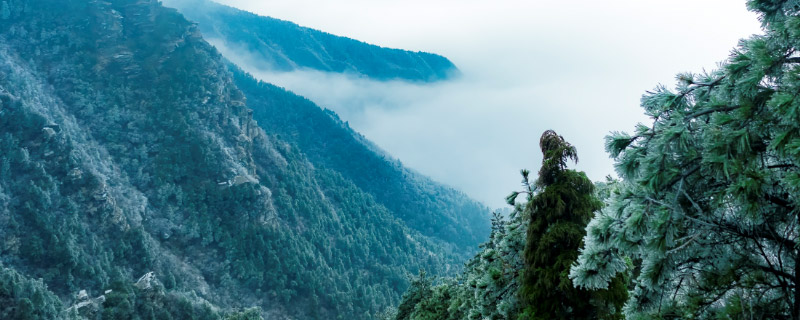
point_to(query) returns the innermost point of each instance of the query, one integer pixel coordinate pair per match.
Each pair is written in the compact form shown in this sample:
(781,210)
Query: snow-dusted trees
(487,289)
(708,203)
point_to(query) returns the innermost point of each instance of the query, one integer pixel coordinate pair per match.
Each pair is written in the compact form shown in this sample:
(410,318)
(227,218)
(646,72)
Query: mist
(578,68)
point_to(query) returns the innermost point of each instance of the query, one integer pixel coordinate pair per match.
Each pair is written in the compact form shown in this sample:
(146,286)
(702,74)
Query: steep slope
(424,205)
(126,148)
(281,45)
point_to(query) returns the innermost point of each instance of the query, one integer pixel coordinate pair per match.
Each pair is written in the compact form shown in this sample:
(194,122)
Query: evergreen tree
(560,205)
(487,289)
(709,198)
(419,289)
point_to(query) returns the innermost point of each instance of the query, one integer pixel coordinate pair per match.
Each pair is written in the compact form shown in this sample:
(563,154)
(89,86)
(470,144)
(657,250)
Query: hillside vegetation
(273,44)
(127,148)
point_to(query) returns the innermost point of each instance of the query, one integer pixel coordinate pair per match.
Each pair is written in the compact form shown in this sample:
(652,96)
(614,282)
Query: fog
(578,67)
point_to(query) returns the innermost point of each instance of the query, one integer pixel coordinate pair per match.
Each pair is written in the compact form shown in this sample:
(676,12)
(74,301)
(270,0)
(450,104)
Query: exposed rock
(242,179)
(147,281)
(48,132)
(101,195)
(82,295)
(84,301)
(75,174)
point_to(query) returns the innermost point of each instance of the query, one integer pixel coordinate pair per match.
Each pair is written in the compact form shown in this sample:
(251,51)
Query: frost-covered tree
(559,206)
(487,289)
(419,289)
(492,280)
(489,286)
(708,201)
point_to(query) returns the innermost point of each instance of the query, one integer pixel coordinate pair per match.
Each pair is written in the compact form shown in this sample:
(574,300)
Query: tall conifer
(559,209)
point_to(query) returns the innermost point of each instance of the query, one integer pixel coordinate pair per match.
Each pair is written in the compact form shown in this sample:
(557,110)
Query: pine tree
(419,289)
(560,205)
(709,198)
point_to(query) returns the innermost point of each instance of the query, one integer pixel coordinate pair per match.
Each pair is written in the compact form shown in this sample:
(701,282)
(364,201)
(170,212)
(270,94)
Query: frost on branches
(707,209)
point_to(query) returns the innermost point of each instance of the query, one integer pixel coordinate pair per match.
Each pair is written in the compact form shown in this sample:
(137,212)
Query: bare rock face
(147,281)
(82,295)
(75,174)
(242,179)
(48,132)
(86,305)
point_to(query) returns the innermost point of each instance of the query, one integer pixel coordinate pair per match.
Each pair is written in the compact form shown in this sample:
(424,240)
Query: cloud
(577,67)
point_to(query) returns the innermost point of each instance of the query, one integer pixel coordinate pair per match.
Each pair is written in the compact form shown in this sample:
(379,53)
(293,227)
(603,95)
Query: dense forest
(703,222)
(428,207)
(273,44)
(137,181)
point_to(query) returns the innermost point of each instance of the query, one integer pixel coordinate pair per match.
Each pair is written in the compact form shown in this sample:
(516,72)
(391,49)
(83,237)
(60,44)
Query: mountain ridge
(402,190)
(127,148)
(299,47)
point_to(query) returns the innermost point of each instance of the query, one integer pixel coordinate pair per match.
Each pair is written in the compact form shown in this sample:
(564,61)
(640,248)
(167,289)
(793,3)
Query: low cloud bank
(470,133)
(577,68)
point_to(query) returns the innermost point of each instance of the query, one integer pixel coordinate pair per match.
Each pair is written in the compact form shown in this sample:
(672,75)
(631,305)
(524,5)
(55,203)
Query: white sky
(578,67)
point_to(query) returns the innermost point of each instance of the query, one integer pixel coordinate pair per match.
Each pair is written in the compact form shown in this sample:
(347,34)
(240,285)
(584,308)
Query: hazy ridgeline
(279,45)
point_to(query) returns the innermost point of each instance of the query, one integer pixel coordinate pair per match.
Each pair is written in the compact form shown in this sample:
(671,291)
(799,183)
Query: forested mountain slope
(127,148)
(432,209)
(282,45)
(429,207)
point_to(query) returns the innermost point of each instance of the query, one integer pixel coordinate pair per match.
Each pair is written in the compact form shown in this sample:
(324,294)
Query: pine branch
(711,110)
(780,273)
(792,60)
(781,166)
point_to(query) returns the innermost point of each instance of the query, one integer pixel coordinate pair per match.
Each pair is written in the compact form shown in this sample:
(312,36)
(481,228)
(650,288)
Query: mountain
(424,205)
(138,180)
(275,44)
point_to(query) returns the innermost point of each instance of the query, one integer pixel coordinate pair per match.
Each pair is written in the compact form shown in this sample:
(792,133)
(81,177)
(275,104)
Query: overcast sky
(578,67)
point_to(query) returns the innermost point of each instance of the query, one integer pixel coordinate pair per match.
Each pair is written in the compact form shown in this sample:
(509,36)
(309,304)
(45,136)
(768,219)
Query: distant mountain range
(282,45)
(143,176)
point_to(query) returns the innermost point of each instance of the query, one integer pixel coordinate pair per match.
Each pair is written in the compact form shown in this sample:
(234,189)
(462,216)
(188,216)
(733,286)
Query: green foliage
(428,207)
(556,152)
(487,289)
(249,314)
(419,289)
(558,214)
(23,298)
(491,285)
(707,205)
